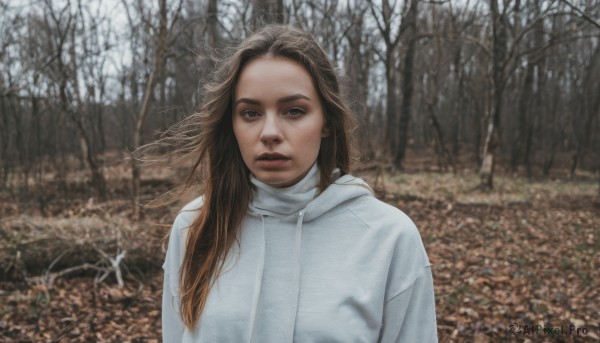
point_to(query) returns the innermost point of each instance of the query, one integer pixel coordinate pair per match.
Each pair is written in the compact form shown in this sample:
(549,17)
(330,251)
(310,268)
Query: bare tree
(499,52)
(510,80)
(160,45)
(409,26)
(385,18)
(66,73)
(358,61)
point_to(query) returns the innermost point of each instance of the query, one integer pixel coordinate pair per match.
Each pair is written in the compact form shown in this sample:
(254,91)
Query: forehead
(274,76)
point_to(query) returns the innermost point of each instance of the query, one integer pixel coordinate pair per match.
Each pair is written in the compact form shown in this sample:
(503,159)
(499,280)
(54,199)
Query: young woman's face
(278,120)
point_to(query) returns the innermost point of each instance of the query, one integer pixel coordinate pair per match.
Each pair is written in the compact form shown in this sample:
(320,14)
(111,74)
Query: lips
(272,156)
(273,161)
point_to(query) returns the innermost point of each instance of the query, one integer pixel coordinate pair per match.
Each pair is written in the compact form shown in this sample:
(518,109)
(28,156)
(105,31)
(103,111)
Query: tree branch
(581,13)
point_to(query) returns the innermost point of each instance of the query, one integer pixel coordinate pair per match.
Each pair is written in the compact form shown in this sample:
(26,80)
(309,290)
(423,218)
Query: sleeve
(172,325)
(409,316)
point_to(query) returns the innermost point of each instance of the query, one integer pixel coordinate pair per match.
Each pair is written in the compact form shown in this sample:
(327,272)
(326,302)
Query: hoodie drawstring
(296,283)
(258,280)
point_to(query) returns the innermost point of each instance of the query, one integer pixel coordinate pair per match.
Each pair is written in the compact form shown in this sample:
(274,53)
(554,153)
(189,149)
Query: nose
(271,132)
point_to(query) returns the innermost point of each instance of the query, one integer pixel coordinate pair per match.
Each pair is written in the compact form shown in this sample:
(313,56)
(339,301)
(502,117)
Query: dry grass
(462,188)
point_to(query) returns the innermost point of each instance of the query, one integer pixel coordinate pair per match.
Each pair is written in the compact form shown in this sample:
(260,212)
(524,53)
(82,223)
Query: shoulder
(408,256)
(374,213)
(178,235)
(378,214)
(186,216)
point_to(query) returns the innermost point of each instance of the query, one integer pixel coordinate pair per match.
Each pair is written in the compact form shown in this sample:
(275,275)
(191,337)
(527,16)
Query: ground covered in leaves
(529,264)
(520,256)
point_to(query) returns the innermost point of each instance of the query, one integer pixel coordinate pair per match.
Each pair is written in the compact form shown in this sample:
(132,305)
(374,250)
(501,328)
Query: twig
(53,263)
(114,265)
(114,262)
(581,13)
(68,328)
(86,266)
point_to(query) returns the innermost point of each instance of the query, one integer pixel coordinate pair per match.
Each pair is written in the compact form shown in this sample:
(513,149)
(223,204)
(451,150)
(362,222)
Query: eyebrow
(288,98)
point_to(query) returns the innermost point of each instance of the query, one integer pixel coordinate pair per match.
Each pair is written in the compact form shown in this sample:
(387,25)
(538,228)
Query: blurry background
(479,119)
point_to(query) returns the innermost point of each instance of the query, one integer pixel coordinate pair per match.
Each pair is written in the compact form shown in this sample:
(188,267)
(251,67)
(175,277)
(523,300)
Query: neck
(273,201)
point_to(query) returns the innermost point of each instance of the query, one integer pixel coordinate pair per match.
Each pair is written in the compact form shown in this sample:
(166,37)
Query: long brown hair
(207,137)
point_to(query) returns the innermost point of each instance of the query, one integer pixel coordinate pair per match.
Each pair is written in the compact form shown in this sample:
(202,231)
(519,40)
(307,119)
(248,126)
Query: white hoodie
(340,266)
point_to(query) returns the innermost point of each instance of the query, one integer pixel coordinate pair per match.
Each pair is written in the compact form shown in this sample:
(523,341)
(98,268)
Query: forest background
(479,119)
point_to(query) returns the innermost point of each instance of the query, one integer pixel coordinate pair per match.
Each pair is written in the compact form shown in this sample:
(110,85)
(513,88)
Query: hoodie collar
(273,201)
(304,196)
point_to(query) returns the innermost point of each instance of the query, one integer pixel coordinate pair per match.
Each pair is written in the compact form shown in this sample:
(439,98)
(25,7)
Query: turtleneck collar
(273,201)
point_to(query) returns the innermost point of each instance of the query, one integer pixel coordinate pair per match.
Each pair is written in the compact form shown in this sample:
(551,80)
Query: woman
(317,257)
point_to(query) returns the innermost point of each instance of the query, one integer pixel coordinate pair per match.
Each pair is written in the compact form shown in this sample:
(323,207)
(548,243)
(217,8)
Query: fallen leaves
(79,311)
(528,263)
(533,263)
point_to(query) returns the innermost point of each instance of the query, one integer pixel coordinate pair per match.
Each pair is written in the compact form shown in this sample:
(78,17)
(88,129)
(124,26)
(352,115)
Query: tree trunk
(158,65)
(407,83)
(38,156)
(383,14)
(527,159)
(87,148)
(458,109)
(21,147)
(589,107)
(4,141)
(492,138)
(549,161)
(391,104)
(518,148)
(477,124)
(537,103)
(444,157)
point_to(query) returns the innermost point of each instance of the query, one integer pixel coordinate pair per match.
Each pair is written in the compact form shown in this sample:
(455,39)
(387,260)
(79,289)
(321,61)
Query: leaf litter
(496,261)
